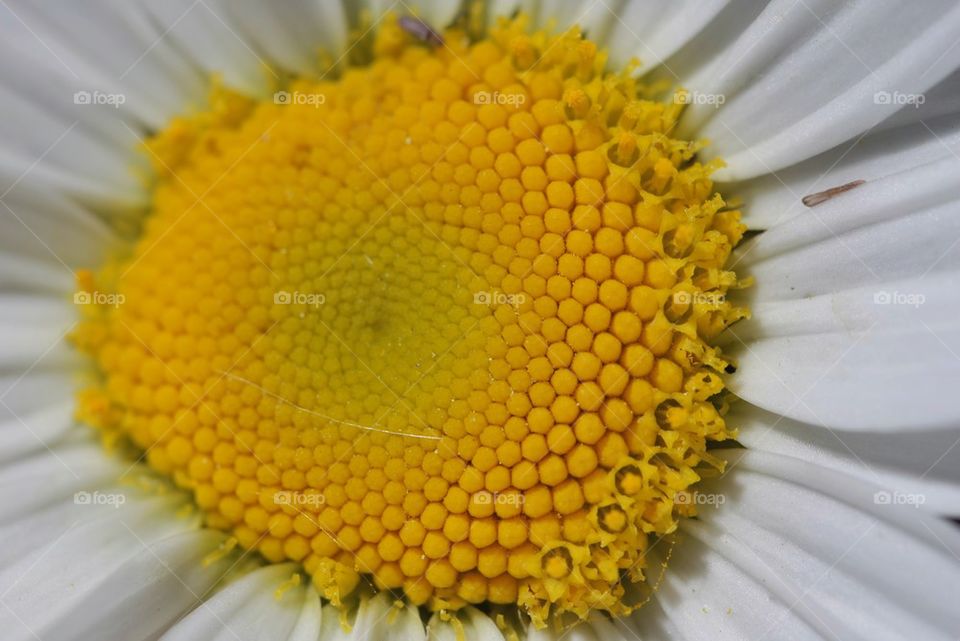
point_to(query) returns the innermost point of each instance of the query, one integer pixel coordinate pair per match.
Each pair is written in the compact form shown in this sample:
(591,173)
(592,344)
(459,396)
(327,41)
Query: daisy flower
(622,319)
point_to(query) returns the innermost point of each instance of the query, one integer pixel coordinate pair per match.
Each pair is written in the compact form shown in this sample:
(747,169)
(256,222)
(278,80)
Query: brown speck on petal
(420,30)
(823,196)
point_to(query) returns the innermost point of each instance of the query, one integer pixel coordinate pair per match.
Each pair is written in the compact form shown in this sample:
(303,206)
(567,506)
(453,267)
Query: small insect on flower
(812,200)
(420,30)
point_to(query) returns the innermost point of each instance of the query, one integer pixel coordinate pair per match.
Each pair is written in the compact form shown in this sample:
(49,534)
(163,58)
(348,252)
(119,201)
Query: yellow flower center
(441,324)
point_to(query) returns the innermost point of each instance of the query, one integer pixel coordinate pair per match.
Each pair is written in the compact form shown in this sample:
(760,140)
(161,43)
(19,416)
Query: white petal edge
(475,625)
(34,275)
(94,579)
(843,55)
(925,464)
(22,434)
(42,224)
(136,60)
(801,552)
(653,31)
(211,43)
(290,34)
(854,308)
(33,334)
(595,19)
(943,99)
(53,476)
(597,628)
(774,199)
(378,618)
(848,362)
(247,609)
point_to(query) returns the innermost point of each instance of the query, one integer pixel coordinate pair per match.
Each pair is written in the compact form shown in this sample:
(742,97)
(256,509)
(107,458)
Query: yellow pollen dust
(441,325)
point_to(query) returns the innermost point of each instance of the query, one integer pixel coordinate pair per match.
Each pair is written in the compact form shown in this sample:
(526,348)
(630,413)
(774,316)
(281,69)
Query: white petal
(170,576)
(862,359)
(45,139)
(24,309)
(477,626)
(497,9)
(842,56)
(439,13)
(595,19)
(845,231)
(54,476)
(35,275)
(291,33)
(42,224)
(310,621)
(33,391)
(113,47)
(378,619)
(123,571)
(855,308)
(925,463)
(36,366)
(941,100)
(53,143)
(109,505)
(597,628)
(774,199)
(331,624)
(705,597)
(24,433)
(654,31)
(801,552)
(212,43)
(713,41)
(33,334)
(247,610)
